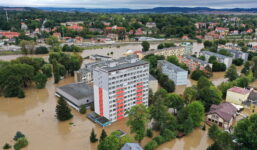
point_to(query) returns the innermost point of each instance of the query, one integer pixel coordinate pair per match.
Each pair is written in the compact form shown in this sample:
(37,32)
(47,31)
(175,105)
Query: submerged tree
(63,112)
(93,138)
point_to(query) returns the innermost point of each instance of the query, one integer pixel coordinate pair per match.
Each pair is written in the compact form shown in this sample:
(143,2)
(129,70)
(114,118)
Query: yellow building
(172,51)
(237,95)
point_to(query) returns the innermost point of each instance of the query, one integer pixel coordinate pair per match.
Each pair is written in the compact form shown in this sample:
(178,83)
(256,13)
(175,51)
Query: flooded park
(35,117)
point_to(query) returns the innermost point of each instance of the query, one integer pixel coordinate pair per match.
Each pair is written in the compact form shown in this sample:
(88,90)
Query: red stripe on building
(119,103)
(101,101)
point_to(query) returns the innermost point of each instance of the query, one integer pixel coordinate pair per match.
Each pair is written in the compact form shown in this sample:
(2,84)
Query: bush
(150,145)
(7,146)
(21,142)
(83,109)
(18,135)
(41,50)
(168,134)
(149,133)
(159,140)
(238,62)
(218,67)
(197,74)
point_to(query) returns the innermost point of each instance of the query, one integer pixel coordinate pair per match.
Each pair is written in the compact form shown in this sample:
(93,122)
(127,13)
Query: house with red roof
(57,34)
(237,95)
(222,115)
(114,28)
(249,31)
(221,30)
(10,35)
(75,27)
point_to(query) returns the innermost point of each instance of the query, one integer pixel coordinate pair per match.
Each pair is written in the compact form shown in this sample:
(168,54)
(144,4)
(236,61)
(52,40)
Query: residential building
(57,35)
(220,58)
(75,27)
(86,74)
(252,99)
(188,47)
(24,26)
(237,95)
(174,73)
(222,30)
(131,146)
(76,94)
(119,85)
(72,23)
(150,25)
(9,35)
(195,63)
(172,51)
(100,57)
(223,114)
(153,84)
(238,54)
(200,25)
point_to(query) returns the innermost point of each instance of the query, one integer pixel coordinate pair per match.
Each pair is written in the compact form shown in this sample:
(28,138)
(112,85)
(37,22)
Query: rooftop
(78,90)
(122,63)
(131,146)
(197,60)
(152,78)
(215,54)
(239,90)
(171,66)
(165,49)
(225,110)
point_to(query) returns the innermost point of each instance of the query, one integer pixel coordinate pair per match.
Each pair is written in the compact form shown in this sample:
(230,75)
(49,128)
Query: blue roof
(131,146)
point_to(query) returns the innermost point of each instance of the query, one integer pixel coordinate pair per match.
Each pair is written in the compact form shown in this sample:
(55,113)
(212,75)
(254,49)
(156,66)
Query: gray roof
(125,65)
(252,96)
(197,60)
(78,90)
(225,110)
(215,54)
(131,146)
(152,78)
(100,56)
(171,66)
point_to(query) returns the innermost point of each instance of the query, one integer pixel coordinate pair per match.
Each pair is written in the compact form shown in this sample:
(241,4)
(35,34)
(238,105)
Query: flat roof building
(220,58)
(175,73)
(238,54)
(76,94)
(119,85)
(195,63)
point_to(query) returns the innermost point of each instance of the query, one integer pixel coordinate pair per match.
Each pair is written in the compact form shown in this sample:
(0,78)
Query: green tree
(202,58)
(190,94)
(103,135)
(83,109)
(41,50)
(150,145)
(245,132)
(138,118)
(247,67)
(173,60)
(93,138)
(47,70)
(40,80)
(238,62)
(197,74)
(53,41)
(210,95)
(27,47)
(254,68)
(63,112)
(149,133)
(196,112)
(231,73)
(18,135)
(203,82)
(145,46)
(212,59)
(218,67)
(225,52)
(7,146)
(56,72)
(174,101)
(20,143)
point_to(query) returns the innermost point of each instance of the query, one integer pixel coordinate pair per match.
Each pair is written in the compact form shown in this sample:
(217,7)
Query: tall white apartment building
(119,85)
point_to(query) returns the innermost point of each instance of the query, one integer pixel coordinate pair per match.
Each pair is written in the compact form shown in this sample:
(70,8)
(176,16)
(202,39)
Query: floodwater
(35,117)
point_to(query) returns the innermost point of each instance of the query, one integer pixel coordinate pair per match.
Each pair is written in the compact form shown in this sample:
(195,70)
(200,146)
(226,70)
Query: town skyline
(218,4)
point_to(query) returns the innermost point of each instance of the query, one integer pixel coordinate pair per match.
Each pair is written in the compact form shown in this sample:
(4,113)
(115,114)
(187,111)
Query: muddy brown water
(35,117)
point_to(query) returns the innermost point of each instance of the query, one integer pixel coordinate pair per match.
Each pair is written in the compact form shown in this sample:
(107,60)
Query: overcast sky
(132,3)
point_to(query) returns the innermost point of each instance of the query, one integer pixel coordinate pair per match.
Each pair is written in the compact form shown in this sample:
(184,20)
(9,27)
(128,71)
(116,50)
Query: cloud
(132,3)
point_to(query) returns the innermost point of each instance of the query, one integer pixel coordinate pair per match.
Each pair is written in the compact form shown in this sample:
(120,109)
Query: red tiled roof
(75,27)
(10,34)
(239,90)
